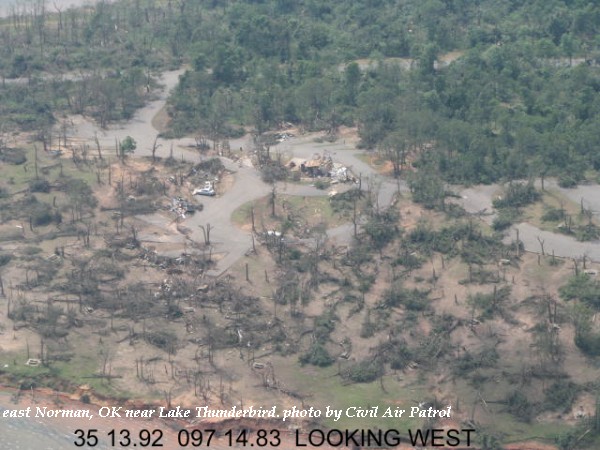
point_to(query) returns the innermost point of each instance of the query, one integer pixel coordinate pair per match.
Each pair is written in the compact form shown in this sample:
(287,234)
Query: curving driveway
(232,243)
(227,240)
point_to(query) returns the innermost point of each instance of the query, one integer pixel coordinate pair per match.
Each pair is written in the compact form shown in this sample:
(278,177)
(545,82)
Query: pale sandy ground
(229,240)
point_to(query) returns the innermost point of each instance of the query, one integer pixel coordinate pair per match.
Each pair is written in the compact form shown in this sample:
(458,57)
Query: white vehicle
(208,191)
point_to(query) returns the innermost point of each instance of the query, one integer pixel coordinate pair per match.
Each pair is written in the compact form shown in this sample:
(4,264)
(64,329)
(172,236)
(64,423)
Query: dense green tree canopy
(520,97)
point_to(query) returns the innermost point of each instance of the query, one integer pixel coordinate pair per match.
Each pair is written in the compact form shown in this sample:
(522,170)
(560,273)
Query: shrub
(519,406)
(588,343)
(401,357)
(561,395)
(517,195)
(40,185)
(317,355)
(364,371)
(42,214)
(411,299)
(321,184)
(324,325)
(476,246)
(490,304)
(273,172)
(15,156)
(454,211)
(79,192)
(149,185)
(365,281)
(583,288)
(553,215)
(427,188)
(163,339)
(344,202)
(368,328)
(408,260)
(31,250)
(589,232)
(382,229)
(127,146)
(468,362)
(505,218)
(360,254)
(567,181)
(5,258)
(213,166)
(294,254)
(27,384)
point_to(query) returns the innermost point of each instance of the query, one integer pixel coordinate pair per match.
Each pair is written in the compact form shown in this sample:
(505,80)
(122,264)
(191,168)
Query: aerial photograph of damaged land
(300,223)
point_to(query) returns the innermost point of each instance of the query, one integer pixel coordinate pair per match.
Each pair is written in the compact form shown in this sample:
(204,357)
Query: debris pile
(181,207)
(321,166)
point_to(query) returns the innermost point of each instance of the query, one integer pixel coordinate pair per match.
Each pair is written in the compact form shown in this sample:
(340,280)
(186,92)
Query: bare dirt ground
(230,244)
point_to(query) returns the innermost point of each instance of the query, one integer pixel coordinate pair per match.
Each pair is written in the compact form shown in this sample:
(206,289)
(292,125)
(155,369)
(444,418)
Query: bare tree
(155,147)
(98,146)
(541,241)
(59,26)
(206,232)
(273,198)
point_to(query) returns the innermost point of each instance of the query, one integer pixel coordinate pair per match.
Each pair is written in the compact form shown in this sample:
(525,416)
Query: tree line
(516,103)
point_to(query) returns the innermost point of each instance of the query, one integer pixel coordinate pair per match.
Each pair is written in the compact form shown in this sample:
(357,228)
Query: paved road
(139,127)
(306,147)
(588,193)
(226,237)
(228,241)
(478,200)
(232,243)
(562,245)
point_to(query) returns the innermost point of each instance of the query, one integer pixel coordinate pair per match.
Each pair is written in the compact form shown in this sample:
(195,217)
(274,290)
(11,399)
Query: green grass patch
(326,388)
(242,215)
(17,177)
(310,211)
(373,159)
(517,431)
(61,375)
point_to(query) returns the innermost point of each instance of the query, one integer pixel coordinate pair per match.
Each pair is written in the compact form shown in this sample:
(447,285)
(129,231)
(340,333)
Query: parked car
(210,192)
